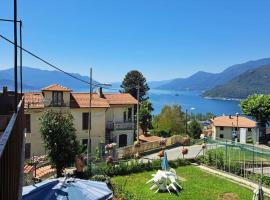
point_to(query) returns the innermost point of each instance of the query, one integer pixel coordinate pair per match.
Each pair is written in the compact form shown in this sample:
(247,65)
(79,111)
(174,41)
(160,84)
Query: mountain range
(250,82)
(206,80)
(35,79)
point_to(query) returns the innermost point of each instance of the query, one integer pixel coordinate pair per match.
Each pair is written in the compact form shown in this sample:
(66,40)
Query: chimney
(5,89)
(100,93)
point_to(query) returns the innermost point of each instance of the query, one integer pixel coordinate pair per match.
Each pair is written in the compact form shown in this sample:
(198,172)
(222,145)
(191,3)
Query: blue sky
(162,38)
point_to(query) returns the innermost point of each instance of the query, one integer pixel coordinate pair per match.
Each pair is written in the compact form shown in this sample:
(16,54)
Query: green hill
(250,82)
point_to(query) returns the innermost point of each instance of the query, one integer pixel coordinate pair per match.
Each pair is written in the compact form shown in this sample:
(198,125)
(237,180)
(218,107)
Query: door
(122,140)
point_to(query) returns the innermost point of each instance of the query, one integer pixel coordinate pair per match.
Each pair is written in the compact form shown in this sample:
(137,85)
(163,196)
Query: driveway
(175,153)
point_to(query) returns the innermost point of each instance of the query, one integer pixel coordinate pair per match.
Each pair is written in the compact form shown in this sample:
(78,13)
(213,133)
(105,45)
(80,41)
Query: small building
(232,127)
(112,117)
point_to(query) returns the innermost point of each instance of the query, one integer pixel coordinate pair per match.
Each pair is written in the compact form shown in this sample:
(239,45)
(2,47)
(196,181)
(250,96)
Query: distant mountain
(151,84)
(250,82)
(35,79)
(205,80)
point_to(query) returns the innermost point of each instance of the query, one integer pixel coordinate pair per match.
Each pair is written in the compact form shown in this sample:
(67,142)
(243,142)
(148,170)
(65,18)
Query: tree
(257,106)
(194,129)
(145,116)
(132,80)
(59,137)
(171,120)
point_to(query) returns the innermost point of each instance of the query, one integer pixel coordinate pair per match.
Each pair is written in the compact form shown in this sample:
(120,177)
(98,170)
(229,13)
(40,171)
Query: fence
(130,151)
(244,160)
(11,156)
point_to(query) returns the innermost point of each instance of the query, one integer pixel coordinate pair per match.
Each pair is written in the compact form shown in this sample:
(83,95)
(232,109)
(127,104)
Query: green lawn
(196,185)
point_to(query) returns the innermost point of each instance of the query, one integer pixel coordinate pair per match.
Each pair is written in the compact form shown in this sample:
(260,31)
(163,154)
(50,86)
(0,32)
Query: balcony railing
(120,126)
(11,156)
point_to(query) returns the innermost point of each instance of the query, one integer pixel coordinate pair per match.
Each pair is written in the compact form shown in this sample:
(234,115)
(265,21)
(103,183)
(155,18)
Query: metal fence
(245,160)
(11,156)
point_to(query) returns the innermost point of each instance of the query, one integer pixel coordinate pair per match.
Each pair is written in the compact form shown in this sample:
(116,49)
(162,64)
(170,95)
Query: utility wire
(46,62)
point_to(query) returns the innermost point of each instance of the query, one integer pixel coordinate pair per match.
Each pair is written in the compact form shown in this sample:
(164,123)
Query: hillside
(250,82)
(35,79)
(205,80)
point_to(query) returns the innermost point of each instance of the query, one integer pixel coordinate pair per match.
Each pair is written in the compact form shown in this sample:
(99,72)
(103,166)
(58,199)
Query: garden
(196,184)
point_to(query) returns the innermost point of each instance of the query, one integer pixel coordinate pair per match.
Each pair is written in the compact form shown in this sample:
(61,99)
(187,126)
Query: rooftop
(232,121)
(56,87)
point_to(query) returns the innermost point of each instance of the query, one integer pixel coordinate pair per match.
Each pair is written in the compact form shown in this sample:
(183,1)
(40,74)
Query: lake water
(192,99)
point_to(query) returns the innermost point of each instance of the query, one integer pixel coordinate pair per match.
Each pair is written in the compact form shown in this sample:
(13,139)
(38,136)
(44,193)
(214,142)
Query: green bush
(126,168)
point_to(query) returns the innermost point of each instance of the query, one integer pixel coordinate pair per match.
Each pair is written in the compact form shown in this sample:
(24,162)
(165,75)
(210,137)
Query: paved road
(175,153)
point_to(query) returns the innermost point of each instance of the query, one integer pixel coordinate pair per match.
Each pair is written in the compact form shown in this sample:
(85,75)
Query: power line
(43,60)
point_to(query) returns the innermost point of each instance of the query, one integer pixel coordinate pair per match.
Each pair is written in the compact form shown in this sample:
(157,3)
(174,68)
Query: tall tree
(145,116)
(171,120)
(59,137)
(258,106)
(194,129)
(132,80)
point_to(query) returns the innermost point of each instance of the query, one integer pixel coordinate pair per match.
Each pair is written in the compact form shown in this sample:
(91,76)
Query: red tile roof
(33,100)
(81,100)
(231,121)
(150,138)
(27,168)
(120,99)
(56,87)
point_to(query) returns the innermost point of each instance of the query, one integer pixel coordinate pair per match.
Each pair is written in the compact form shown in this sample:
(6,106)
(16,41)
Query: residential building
(232,127)
(112,116)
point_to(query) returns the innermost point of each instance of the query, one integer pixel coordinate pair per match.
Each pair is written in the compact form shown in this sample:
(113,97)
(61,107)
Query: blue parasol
(62,189)
(164,163)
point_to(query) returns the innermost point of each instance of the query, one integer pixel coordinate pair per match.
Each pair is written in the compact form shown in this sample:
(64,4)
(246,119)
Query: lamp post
(138,109)
(186,118)
(237,131)
(91,87)
(15,21)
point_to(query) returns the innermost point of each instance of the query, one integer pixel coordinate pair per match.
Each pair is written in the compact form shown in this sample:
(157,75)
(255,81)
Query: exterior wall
(48,98)
(129,133)
(97,123)
(100,117)
(227,132)
(34,137)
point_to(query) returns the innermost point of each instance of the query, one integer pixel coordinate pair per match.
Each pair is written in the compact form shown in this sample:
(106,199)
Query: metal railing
(120,126)
(11,156)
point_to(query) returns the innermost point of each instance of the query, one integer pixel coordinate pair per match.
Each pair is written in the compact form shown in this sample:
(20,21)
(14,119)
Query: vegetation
(194,129)
(170,121)
(201,117)
(196,184)
(59,137)
(130,167)
(132,80)
(145,116)
(257,106)
(250,82)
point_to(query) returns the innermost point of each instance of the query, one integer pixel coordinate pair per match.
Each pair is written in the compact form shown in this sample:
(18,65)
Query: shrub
(102,178)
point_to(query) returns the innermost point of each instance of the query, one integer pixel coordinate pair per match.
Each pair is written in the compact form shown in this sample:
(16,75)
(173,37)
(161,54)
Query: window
(84,142)
(130,114)
(221,128)
(85,121)
(221,135)
(27,150)
(57,98)
(235,128)
(28,123)
(249,129)
(125,116)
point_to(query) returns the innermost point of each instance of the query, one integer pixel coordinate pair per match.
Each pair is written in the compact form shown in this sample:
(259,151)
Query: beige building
(112,116)
(229,127)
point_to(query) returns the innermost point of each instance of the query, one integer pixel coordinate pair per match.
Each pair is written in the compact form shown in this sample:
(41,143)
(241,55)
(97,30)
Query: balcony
(11,153)
(120,126)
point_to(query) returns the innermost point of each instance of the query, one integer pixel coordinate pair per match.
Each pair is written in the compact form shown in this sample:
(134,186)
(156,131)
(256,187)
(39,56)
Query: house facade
(232,127)
(112,117)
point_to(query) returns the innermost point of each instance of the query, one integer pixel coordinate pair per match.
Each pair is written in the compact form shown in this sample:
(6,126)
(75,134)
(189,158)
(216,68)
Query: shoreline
(222,98)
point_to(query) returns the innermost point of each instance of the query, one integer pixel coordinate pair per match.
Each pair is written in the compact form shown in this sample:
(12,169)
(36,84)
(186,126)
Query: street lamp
(91,87)
(15,45)
(186,117)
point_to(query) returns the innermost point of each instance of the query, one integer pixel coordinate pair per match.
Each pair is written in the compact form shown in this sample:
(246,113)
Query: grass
(196,184)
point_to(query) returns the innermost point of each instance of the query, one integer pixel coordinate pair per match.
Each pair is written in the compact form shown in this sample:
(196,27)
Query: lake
(192,99)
